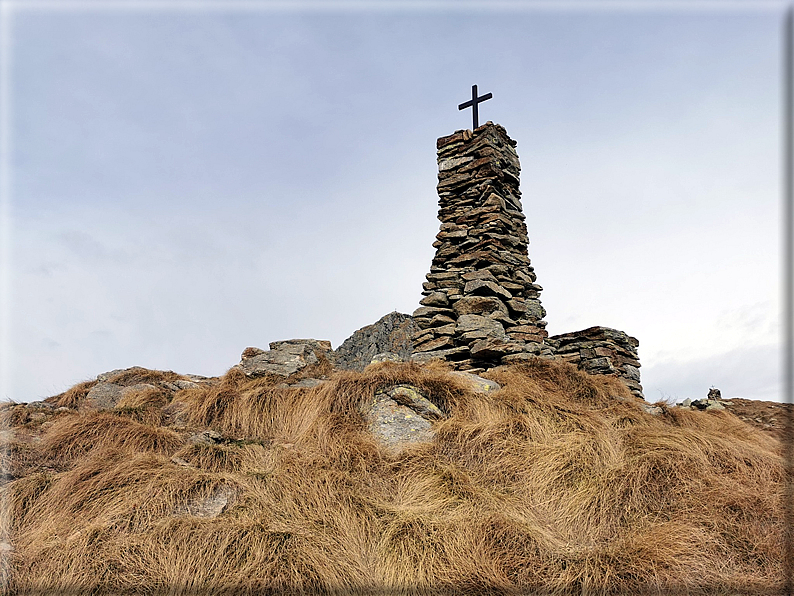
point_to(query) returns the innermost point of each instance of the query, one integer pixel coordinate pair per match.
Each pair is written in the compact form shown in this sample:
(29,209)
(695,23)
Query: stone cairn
(481,304)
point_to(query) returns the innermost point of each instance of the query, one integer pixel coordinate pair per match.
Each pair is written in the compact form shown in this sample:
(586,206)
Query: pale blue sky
(188,183)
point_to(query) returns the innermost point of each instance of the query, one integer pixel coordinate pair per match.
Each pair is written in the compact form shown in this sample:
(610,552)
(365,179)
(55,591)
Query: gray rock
(444,330)
(210,506)
(502,318)
(285,358)
(456,353)
(412,397)
(481,274)
(493,348)
(392,333)
(385,357)
(40,405)
(308,383)
(453,162)
(653,410)
(476,383)
(444,275)
(601,350)
(535,310)
(632,372)
(530,353)
(594,365)
(278,363)
(479,305)
(518,305)
(437,321)
(478,327)
(396,425)
(435,299)
(423,336)
(318,346)
(197,378)
(183,384)
(112,373)
(488,288)
(105,396)
(207,437)
(435,344)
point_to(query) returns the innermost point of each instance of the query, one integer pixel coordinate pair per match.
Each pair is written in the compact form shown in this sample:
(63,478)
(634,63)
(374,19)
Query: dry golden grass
(137,374)
(550,486)
(75,436)
(71,397)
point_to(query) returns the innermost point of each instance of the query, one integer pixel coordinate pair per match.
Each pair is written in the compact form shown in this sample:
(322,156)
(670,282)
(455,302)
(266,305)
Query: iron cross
(472,103)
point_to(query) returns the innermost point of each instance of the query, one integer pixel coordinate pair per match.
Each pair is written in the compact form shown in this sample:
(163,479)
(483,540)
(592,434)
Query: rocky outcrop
(601,351)
(481,302)
(401,415)
(390,335)
(284,358)
(131,387)
(106,396)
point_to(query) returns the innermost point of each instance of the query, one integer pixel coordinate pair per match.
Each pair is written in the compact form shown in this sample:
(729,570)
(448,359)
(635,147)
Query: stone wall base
(601,351)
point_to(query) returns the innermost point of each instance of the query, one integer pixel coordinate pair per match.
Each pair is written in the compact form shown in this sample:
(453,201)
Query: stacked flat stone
(481,304)
(601,351)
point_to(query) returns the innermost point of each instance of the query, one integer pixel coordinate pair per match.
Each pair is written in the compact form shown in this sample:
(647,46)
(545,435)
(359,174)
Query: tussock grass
(150,396)
(137,375)
(557,484)
(72,396)
(74,436)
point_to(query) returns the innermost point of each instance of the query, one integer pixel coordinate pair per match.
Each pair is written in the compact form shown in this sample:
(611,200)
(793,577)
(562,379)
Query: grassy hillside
(558,483)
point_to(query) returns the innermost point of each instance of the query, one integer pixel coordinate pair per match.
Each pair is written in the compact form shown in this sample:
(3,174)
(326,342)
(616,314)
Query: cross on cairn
(472,103)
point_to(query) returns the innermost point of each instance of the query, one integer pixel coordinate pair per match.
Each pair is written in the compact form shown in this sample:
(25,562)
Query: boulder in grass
(401,415)
(209,506)
(284,358)
(105,396)
(477,383)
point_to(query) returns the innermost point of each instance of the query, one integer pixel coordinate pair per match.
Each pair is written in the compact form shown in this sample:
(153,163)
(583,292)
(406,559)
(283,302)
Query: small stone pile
(713,401)
(481,303)
(601,351)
